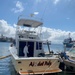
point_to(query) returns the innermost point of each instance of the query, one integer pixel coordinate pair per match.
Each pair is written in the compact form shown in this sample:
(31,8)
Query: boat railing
(28,35)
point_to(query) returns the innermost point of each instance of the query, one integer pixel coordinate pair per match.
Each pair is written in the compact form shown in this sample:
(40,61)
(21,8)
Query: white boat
(28,52)
(68,58)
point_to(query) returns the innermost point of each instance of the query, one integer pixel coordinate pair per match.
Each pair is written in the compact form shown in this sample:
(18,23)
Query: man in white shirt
(25,51)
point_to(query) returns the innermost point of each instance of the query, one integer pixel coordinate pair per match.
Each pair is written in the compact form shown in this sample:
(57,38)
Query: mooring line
(5,56)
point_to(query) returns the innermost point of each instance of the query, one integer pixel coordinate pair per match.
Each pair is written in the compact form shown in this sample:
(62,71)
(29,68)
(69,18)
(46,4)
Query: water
(56,48)
(6,67)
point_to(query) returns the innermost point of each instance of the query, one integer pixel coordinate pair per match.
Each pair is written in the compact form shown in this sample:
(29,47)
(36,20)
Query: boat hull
(70,65)
(36,65)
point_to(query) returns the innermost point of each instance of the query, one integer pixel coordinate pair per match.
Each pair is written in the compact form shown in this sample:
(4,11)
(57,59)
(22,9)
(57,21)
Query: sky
(58,17)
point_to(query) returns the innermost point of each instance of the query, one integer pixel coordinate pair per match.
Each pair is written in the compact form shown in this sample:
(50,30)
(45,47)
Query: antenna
(69,35)
(44,10)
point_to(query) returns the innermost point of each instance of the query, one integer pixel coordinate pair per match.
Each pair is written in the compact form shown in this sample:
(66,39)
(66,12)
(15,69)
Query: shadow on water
(63,73)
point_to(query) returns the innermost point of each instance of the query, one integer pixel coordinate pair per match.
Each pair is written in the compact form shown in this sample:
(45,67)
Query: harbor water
(6,66)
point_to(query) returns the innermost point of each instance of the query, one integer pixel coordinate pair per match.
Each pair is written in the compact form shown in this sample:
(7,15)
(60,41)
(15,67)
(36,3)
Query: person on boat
(25,51)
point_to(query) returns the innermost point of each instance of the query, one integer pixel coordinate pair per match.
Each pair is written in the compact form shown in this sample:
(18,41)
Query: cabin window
(20,36)
(30,46)
(32,37)
(21,47)
(38,45)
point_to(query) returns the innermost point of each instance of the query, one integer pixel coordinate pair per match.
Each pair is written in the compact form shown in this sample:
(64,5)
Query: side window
(38,45)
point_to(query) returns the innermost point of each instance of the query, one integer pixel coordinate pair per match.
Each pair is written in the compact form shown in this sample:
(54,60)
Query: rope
(4,57)
(67,57)
(44,10)
(48,67)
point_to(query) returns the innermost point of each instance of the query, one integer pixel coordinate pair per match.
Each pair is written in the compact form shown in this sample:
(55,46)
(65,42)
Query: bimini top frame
(29,23)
